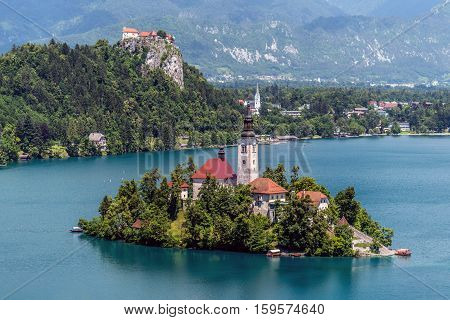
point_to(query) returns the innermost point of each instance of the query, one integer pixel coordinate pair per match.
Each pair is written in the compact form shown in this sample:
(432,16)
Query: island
(212,207)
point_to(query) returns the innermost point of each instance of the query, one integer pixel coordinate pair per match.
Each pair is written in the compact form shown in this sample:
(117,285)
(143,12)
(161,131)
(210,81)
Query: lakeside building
(266,194)
(404,126)
(217,168)
(99,140)
(357,112)
(318,199)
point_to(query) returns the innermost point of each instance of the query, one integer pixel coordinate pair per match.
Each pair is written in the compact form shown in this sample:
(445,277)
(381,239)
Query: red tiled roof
(129,30)
(184,185)
(315,196)
(144,34)
(216,168)
(266,186)
(153,33)
(343,222)
(137,224)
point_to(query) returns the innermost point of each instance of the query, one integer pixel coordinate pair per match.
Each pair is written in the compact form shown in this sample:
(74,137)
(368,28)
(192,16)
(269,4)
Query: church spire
(248,124)
(257,99)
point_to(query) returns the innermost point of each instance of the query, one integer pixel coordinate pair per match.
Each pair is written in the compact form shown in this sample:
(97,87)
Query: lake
(404,182)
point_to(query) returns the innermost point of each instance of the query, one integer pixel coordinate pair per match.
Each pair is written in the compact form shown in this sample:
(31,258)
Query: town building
(317,198)
(292,113)
(184,190)
(404,126)
(217,168)
(357,112)
(99,140)
(248,166)
(266,194)
(387,105)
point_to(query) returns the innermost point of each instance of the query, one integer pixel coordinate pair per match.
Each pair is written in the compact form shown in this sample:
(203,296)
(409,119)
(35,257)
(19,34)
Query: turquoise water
(404,182)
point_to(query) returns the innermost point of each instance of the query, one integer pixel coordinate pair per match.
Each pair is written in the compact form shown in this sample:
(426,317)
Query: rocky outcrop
(160,54)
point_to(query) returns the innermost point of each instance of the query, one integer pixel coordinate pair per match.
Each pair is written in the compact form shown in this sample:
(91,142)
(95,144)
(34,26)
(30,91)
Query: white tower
(248,168)
(257,100)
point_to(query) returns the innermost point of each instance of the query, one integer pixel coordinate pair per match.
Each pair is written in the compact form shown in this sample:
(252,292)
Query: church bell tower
(248,168)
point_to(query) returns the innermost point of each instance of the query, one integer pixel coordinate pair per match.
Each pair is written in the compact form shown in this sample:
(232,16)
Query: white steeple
(257,100)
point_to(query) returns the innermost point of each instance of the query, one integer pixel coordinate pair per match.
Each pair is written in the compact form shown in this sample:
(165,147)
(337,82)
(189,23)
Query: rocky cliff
(160,54)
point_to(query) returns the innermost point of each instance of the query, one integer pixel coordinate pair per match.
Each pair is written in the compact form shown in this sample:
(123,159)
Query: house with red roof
(129,33)
(317,198)
(217,168)
(184,189)
(266,193)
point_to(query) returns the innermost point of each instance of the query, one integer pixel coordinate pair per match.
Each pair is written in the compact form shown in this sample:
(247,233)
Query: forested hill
(53,96)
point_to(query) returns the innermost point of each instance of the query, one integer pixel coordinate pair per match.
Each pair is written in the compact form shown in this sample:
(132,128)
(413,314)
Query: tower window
(244,149)
(244,162)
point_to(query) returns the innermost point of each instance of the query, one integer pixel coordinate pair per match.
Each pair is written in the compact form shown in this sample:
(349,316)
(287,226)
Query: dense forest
(53,96)
(222,217)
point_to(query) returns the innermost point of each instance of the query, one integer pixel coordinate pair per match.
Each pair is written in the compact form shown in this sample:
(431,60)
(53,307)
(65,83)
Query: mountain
(299,40)
(386,8)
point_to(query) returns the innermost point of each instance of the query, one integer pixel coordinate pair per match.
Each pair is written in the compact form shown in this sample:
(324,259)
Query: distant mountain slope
(385,8)
(259,39)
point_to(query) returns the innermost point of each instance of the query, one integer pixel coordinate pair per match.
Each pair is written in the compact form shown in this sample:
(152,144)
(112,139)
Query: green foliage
(302,227)
(278,175)
(309,184)
(347,205)
(357,216)
(375,246)
(52,95)
(342,241)
(396,128)
(55,93)
(9,143)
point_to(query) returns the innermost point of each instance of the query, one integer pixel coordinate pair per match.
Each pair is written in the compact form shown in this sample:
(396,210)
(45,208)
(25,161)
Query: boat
(274,253)
(297,254)
(76,230)
(403,252)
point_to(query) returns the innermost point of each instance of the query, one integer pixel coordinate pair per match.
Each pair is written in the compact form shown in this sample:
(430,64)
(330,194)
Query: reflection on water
(230,274)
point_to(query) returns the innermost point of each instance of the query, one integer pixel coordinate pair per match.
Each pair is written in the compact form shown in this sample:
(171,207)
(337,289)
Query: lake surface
(404,182)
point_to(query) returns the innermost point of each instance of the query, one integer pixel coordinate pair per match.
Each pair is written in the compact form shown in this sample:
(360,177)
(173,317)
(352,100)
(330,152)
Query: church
(265,192)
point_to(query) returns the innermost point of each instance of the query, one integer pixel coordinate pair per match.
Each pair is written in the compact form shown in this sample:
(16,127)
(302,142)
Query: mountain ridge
(312,41)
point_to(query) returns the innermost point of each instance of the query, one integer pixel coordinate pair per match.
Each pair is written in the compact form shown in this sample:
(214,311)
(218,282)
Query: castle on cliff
(132,33)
